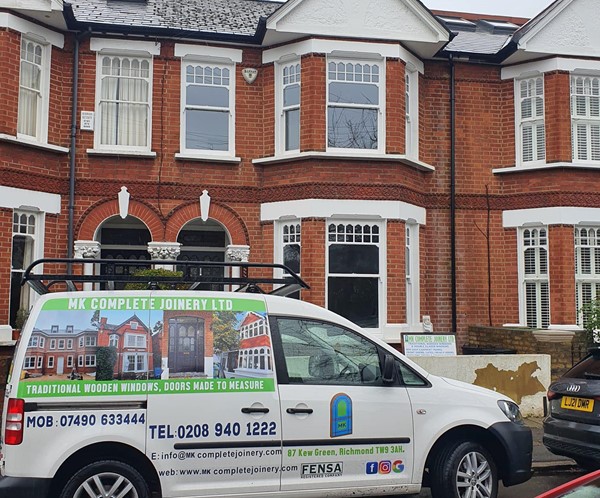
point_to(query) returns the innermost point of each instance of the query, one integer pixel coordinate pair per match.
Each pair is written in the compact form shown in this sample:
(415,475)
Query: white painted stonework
(464,367)
(572,29)
(384,19)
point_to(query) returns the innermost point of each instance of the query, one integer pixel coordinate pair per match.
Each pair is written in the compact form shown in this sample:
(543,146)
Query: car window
(588,368)
(409,377)
(322,353)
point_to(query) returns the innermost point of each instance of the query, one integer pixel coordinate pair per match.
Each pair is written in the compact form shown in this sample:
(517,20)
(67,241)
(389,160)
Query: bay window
(34,87)
(585,116)
(531,135)
(587,268)
(355,92)
(536,280)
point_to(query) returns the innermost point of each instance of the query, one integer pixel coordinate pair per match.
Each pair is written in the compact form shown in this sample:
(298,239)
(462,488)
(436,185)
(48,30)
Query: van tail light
(15,416)
(552,395)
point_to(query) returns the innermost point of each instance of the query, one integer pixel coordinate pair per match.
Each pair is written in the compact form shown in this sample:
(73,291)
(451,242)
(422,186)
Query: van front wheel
(463,470)
(106,478)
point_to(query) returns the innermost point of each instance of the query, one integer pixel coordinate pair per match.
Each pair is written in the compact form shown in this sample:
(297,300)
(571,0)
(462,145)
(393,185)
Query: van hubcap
(474,476)
(106,485)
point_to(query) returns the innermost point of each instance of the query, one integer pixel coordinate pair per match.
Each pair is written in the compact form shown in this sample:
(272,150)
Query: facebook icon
(372,467)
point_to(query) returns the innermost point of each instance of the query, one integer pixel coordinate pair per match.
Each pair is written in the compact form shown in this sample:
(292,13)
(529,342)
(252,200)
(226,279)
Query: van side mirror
(388,369)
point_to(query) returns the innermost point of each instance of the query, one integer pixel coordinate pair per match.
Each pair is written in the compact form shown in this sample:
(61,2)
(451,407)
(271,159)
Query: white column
(166,251)
(87,249)
(238,254)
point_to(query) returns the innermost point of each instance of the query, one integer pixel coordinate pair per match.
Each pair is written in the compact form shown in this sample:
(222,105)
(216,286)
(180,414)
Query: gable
(399,20)
(570,27)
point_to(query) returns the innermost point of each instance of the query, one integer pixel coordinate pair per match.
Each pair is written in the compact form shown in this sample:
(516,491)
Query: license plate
(579,404)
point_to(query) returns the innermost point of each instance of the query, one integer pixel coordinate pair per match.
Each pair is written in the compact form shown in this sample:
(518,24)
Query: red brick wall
(558,116)
(561,254)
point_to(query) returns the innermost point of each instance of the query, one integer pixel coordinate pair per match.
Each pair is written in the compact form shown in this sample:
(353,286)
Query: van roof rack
(190,275)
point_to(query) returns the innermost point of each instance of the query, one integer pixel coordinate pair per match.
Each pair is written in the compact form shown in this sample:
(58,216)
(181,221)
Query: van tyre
(106,478)
(463,470)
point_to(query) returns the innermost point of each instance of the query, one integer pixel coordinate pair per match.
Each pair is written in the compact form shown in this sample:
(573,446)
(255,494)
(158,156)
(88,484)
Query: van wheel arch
(471,433)
(107,451)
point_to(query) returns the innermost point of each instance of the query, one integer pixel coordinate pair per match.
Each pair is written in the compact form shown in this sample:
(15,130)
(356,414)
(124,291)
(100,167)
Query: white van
(119,394)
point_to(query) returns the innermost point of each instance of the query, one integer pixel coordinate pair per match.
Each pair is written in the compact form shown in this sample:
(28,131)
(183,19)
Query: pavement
(543,459)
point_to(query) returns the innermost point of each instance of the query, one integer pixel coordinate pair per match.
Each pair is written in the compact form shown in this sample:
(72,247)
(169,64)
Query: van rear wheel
(463,470)
(106,478)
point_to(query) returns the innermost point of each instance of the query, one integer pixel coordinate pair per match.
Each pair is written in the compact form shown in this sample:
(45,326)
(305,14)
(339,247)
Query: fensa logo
(385,467)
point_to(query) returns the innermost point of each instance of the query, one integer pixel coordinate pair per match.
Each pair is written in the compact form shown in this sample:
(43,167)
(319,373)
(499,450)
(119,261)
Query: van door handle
(294,411)
(257,409)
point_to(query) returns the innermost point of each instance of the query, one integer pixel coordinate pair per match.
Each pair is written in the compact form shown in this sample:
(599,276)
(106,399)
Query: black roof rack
(190,275)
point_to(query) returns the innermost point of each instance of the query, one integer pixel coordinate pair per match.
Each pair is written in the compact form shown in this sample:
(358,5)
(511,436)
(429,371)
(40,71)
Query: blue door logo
(341,415)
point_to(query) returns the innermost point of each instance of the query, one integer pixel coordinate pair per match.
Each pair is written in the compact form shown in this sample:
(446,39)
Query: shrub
(106,358)
(155,272)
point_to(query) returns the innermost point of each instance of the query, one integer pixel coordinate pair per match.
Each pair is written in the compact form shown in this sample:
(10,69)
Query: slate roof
(478,43)
(192,17)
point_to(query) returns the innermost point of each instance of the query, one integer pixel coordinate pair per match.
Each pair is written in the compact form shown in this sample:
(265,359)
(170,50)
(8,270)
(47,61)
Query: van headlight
(511,410)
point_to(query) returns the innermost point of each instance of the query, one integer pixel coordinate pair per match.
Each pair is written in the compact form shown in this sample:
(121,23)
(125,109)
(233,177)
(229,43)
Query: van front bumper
(24,487)
(517,441)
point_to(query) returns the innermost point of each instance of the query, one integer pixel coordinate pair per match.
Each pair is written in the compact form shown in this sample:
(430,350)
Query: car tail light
(552,395)
(15,416)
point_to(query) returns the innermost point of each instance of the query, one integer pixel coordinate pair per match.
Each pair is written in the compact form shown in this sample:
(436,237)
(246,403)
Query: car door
(209,435)
(342,425)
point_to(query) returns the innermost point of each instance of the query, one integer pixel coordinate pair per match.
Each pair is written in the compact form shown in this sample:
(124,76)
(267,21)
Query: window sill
(351,155)
(186,156)
(117,152)
(35,145)
(541,167)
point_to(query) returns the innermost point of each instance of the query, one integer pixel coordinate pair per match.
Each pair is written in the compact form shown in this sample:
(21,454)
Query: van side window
(323,353)
(408,377)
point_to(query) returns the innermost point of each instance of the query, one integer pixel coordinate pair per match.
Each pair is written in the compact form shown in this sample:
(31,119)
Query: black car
(572,427)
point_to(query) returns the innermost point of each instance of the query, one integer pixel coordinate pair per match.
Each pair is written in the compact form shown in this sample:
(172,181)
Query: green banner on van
(60,389)
(165,303)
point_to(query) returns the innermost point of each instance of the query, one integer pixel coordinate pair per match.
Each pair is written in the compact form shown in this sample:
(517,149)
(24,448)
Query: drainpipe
(453,190)
(71,207)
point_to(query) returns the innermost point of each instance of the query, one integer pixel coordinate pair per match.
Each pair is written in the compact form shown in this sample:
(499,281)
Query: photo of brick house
(133,344)
(254,357)
(60,349)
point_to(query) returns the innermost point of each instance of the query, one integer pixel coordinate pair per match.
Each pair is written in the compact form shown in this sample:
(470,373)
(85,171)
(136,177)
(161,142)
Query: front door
(209,435)
(60,365)
(343,427)
(186,344)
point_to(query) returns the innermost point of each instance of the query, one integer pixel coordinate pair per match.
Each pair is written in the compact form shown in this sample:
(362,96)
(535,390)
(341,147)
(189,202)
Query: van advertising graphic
(341,415)
(147,345)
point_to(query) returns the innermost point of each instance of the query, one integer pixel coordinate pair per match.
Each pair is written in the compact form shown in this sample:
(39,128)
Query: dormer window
(69,329)
(54,329)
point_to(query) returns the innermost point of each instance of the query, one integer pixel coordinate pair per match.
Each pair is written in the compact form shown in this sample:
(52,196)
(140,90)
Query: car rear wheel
(463,470)
(106,478)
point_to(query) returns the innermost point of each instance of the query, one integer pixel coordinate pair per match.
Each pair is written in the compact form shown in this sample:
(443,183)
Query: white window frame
(50,361)
(113,340)
(589,119)
(41,125)
(63,342)
(535,122)
(42,342)
(413,276)
(587,267)
(280,108)
(124,54)
(80,360)
(40,361)
(212,62)
(69,344)
(279,245)
(380,107)
(381,277)
(52,344)
(69,361)
(538,278)
(135,356)
(90,360)
(28,296)
(29,362)
(411,95)
(90,341)
(135,341)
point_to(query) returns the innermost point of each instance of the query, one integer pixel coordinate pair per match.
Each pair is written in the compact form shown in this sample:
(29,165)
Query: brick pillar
(396,272)
(562,276)
(312,259)
(395,107)
(313,105)
(558,117)
(6,230)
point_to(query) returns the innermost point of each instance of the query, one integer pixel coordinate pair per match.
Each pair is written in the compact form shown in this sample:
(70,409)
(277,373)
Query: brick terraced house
(406,163)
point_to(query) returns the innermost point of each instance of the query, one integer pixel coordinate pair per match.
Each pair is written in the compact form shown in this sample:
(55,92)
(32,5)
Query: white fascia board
(34,30)
(551,216)
(342,208)
(124,46)
(18,198)
(320,46)
(207,52)
(548,65)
